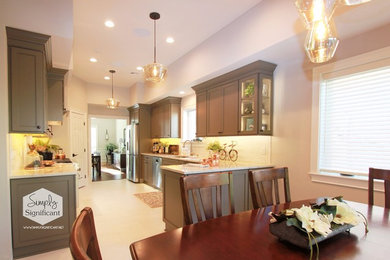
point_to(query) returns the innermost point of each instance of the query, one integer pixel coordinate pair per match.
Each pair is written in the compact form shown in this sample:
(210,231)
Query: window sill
(356,182)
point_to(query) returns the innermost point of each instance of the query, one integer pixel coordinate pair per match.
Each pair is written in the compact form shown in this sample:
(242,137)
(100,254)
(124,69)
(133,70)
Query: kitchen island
(172,205)
(43,206)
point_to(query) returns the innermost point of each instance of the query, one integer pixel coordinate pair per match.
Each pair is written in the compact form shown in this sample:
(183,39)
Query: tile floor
(120,218)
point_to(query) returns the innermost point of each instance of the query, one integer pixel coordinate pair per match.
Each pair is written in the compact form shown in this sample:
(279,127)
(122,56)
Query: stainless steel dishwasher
(157,161)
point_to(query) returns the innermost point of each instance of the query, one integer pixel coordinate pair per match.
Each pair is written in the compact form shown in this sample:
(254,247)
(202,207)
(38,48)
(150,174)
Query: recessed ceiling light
(139,68)
(170,40)
(181,92)
(93,59)
(109,23)
(106,77)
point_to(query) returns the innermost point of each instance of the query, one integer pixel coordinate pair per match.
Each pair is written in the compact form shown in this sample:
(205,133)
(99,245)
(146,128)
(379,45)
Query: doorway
(78,145)
(107,148)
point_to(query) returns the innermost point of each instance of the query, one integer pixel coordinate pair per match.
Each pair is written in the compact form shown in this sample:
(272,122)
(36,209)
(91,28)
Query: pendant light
(313,10)
(111,102)
(354,2)
(321,40)
(155,71)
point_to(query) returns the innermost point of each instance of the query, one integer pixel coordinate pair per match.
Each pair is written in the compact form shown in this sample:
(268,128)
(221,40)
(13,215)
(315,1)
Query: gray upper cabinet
(26,91)
(201,116)
(230,109)
(215,112)
(222,104)
(55,79)
(166,118)
(237,103)
(29,57)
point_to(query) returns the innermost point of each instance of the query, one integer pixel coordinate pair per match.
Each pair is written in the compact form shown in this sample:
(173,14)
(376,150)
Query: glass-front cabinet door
(265,123)
(248,105)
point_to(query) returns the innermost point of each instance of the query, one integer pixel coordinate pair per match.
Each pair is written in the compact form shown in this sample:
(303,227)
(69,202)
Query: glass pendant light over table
(155,71)
(312,10)
(354,2)
(112,102)
(321,41)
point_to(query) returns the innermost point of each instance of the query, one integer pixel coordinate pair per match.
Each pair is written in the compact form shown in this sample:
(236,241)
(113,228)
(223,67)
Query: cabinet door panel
(27,90)
(174,121)
(215,112)
(248,107)
(201,114)
(165,121)
(156,122)
(230,109)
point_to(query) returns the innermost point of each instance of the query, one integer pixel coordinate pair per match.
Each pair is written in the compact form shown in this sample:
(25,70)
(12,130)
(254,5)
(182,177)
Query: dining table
(246,235)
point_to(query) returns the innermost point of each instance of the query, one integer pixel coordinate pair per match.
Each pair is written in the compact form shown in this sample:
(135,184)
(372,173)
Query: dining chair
(206,196)
(83,240)
(264,186)
(379,174)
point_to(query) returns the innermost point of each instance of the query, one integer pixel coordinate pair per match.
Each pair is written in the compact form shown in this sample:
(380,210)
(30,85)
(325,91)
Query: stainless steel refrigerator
(133,171)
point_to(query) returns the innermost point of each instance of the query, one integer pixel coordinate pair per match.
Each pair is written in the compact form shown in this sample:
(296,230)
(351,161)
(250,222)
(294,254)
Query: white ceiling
(130,43)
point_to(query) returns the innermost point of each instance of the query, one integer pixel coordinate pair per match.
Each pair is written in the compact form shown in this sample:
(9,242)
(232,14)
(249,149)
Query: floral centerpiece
(319,222)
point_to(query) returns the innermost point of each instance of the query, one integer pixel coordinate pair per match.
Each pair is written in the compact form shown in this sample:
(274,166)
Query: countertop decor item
(307,226)
(154,71)
(112,102)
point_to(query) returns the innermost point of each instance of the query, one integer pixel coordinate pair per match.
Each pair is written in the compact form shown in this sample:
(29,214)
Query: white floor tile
(120,218)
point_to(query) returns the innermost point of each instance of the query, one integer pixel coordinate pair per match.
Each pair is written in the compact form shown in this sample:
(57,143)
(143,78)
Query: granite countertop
(192,159)
(191,168)
(56,169)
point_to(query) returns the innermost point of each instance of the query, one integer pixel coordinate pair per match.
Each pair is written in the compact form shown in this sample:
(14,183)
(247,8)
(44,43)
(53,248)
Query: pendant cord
(112,85)
(154,41)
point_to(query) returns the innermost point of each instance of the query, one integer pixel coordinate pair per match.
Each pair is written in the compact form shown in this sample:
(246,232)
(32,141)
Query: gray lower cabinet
(43,211)
(147,169)
(172,205)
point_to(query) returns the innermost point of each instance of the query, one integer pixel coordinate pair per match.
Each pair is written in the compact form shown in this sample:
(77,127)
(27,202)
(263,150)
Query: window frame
(363,62)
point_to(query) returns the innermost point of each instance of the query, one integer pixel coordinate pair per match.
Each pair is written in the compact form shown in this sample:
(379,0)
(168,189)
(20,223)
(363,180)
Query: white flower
(344,213)
(272,219)
(312,221)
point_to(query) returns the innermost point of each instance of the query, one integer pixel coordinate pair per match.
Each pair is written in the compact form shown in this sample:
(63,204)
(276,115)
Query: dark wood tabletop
(246,236)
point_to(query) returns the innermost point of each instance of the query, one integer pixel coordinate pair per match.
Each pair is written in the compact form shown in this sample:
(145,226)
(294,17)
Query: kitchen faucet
(184,145)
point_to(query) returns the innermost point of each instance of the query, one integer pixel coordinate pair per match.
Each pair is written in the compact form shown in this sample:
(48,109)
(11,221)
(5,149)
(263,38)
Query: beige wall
(97,94)
(76,94)
(292,119)
(230,48)
(5,213)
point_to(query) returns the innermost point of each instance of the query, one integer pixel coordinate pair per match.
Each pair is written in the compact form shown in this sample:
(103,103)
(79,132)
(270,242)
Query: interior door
(78,145)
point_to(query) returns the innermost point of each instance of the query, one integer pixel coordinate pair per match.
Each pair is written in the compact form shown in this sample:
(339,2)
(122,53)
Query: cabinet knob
(38,127)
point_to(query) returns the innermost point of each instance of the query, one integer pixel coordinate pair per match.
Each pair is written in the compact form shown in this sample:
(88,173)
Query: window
(189,124)
(354,125)
(350,119)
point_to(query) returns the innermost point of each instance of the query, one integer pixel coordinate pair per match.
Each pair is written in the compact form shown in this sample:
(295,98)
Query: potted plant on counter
(214,147)
(110,147)
(44,148)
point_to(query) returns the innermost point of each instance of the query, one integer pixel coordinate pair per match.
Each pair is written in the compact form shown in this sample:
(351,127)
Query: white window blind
(355,122)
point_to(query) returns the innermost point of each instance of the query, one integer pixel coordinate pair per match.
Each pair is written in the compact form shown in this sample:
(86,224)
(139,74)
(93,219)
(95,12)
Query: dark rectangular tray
(299,238)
